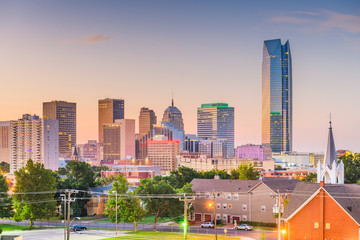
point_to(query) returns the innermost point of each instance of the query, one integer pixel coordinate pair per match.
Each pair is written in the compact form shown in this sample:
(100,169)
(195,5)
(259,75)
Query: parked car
(77,228)
(207,225)
(245,227)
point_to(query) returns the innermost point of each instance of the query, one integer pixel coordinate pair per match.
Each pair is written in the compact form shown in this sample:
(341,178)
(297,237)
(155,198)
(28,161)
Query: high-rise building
(90,152)
(5,141)
(216,121)
(65,113)
(211,148)
(119,139)
(35,138)
(147,119)
(173,115)
(277,96)
(109,111)
(162,152)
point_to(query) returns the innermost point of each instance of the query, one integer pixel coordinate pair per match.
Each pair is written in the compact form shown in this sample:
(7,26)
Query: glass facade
(277,96)
(216,121)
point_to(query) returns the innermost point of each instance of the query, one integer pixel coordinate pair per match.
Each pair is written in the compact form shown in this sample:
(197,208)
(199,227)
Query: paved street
(99,234)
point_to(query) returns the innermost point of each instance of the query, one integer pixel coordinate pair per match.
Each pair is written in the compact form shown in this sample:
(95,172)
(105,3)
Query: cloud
(324,20)
(91,39)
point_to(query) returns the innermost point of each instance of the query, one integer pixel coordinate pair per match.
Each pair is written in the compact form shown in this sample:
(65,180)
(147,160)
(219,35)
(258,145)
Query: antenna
(330,120)
(172,99)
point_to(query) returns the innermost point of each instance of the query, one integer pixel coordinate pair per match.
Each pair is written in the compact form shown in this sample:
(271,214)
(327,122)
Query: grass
(145,220)
(144,235)
(9,227)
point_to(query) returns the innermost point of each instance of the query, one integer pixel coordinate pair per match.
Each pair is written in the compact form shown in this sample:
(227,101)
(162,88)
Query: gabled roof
(346,195)
(223,185)
(281,185)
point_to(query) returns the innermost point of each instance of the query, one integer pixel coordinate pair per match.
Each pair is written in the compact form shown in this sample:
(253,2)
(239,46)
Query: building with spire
(330,171)
(173,115)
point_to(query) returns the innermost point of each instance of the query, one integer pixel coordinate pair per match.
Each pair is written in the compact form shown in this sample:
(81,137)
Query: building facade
(5,141)
(277,96)
(36,139)
(216,121)
(65,113)
(253,151)
(162,152)
(147,119)
(211,148)
(90,152)
(109,111)
(119,139)
(173,115)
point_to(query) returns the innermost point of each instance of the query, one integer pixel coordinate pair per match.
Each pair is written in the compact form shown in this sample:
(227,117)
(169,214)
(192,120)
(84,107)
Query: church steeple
(330,154)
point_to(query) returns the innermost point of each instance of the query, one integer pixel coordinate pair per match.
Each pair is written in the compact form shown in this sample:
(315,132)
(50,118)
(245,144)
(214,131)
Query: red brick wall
(341,225)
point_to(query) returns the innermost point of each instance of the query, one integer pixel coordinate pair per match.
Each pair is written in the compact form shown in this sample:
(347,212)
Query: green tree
(5,200)
(311,177)
(132,211)
(162,205)
(81,171)
(34,193)
(279,167)
(245,172)
(120,186)
(211,174)
(351,167)
(183,176)
(4,167)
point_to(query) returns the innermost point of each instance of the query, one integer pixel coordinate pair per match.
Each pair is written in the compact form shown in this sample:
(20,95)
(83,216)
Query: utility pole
(215,216)
(63,198)
(185,200)
(69,192)
(279,215)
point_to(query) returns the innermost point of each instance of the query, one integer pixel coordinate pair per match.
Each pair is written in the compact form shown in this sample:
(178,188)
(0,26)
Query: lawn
(145,220)
(144,235)
(9,227)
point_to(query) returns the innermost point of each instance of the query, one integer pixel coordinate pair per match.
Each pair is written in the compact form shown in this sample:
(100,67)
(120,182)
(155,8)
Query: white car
(207,225)
(245,227)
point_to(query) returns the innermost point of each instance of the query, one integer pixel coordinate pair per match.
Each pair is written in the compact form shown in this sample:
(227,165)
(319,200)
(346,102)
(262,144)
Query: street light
(115,210)
(214,206)
(78,218)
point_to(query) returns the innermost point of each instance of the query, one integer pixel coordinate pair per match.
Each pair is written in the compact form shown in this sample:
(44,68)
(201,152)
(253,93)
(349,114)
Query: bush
(260,224)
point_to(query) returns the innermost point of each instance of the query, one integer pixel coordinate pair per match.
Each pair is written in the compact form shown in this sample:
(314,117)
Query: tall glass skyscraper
(277,96)
(216,121)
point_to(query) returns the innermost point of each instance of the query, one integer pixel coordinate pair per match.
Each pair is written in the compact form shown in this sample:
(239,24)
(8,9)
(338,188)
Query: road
(256,234)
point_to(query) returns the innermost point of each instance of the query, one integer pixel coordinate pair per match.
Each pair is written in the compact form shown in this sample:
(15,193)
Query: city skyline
(203,52)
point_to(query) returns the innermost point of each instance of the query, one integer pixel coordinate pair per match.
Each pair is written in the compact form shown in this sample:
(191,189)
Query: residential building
(36,139)
(211,148)
(323,211)
(173,115)
(5,141)
(162,152)
(253,151)
(238,201)
(277,104)
(119,139)
(132,173)
(65,113)
(109,111)
(216,121)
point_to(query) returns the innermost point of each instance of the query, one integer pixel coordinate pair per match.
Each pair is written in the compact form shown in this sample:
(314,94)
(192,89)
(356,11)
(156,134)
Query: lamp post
(213,204)
(78,218)
(115,210)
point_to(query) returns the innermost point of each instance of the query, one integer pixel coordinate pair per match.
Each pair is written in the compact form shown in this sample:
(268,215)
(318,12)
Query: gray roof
(346,195)
(223,185)
(330,154)
(281,185)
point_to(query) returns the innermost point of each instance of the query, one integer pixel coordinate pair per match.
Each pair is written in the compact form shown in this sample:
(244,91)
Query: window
(327,225)
(316,224)
(224,195)
(218,216)
(218,195)
(207,195)
(244,218)
(263,208)
(224,216)
(244,207)
(224,206)
(218,205)
(229,196)
(230,206)
(198,195)
(236,197)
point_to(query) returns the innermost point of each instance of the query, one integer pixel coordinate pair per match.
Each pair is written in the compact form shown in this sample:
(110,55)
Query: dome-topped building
(173,115)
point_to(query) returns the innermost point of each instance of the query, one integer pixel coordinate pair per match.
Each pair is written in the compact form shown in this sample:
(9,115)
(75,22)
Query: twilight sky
(203,51)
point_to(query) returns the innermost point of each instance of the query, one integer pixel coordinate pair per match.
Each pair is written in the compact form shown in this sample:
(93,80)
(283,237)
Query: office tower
(173,115)
(191,143)
(4,142)
(109,111)
(65,113)
(277,96)
(35,138)
(119,139)
(90,152)
(215,121)
(147,119)
(162,152)
(211,148)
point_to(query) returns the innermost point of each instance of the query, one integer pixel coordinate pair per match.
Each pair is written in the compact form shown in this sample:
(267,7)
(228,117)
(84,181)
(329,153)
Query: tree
(279,167)
(4,167)
(132,211)
(183,176)
(81,171)
(34,193)
(245,172)
(311,177)
(5,200)
(159,206)
(211,174)
(351,167)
